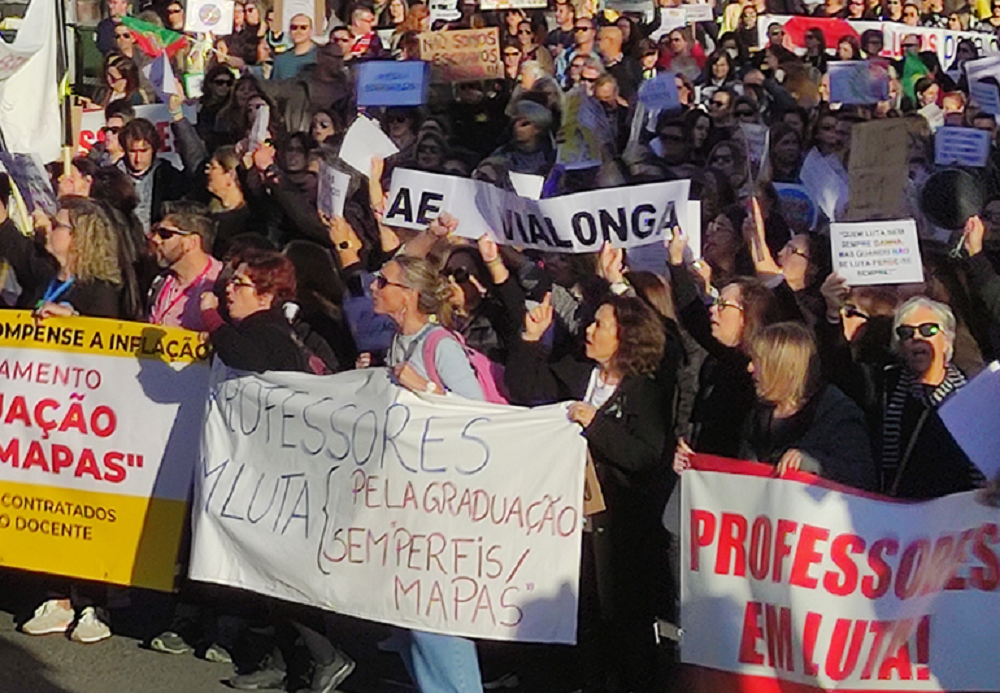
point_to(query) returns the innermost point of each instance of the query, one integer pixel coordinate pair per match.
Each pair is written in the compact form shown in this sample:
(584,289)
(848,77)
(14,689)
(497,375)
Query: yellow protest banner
(100,432)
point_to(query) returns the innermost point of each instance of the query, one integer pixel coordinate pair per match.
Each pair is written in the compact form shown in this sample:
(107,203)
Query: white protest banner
(331,191)
(91,123)
(972,416)
(789,584)
(934,116)
(859,81)
(364,140)
(446,10)
(631,6)
(349,493)
(284,10)
(877,252)
(392,82)
(626,217)
(961,146)
(100,435)
(209,17)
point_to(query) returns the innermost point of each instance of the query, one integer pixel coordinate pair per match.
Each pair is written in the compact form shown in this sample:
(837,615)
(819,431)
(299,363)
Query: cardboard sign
(878,252)
(91,123)
(463,55)
(392,82)
(209,17)
(331,191)
(31,179)
(859,81)
(961,147)
(364,140)
(878,170)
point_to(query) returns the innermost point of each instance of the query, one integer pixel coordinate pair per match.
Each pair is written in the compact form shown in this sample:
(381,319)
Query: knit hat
(535,112)
(950,197)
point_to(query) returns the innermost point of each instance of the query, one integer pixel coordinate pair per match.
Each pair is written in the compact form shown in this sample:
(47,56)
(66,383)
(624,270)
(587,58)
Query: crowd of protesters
(756,350)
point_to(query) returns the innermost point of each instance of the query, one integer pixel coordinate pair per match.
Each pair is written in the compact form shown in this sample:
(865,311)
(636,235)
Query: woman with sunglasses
(415,296)
(77,271)
(532,50)
(216,91)
(121,81)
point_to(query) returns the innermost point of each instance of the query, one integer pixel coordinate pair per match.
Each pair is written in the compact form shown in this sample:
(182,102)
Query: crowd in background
(755,350)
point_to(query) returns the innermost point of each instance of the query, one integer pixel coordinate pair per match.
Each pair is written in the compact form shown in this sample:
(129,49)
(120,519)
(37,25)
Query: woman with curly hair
(623,398)
(77,272)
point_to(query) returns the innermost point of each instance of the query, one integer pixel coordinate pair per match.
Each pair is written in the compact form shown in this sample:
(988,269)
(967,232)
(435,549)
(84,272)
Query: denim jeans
(441,663)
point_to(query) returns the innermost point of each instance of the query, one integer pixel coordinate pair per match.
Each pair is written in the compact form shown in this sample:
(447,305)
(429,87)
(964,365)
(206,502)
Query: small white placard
(954,146)
(877,252)
(365,139)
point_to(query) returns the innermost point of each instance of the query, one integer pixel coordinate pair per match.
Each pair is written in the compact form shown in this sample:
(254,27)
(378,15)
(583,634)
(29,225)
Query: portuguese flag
(154,40)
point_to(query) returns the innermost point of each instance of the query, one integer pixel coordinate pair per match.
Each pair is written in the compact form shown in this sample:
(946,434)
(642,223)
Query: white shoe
(50,617)
(90,628)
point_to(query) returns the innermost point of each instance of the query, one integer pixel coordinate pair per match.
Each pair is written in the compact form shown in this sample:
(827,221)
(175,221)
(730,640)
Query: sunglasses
(298,27)
(582,28)
(721,304)
(381,282)
(126,35)
(223,82)
(926,330)
(511,54)
(111,129)
(166,233)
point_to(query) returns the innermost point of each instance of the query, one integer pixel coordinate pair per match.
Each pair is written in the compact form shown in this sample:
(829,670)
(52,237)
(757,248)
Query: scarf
(907,387)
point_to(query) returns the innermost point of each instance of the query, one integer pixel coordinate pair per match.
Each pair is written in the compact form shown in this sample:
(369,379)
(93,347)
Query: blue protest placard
(392,83)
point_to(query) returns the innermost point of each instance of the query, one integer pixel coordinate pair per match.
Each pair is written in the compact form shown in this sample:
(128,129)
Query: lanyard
(54,291)
(160,312)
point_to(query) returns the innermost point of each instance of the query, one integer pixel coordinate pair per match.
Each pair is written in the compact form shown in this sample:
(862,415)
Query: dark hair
(317,281)
(122,108)
(142,130)
(655,291)
(112,186)
(271,273)
(86,166)
(192,217)
(641,337)
(128,69)
(757,302)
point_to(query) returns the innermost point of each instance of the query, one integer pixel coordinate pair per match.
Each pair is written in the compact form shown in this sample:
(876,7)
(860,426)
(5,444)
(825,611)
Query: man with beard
(181,244)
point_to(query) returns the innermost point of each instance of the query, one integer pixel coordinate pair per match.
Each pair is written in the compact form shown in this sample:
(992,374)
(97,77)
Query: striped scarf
(909,386)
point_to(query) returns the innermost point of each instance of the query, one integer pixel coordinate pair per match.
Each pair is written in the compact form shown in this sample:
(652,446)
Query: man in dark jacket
(156,180)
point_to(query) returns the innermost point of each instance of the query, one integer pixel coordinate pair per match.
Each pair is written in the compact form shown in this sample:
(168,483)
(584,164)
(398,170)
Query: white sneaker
(50,617)
(90,628)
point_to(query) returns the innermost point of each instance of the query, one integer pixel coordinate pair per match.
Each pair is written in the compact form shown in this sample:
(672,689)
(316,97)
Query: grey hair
(945,318)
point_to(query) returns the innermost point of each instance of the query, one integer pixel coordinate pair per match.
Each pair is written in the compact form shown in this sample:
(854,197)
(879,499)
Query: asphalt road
(121,664)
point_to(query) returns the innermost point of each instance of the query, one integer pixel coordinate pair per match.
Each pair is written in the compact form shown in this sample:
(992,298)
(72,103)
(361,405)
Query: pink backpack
(488,373)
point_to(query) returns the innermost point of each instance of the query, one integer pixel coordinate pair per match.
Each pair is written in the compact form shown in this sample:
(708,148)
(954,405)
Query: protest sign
(697,12)
(585,136)
(364,140)
(100,436)
(631,6)
(331,191)
(797,207)
(972,416)
(462,55)
(859,81)
(284,10)
(670,18)
(825,184)
(626,217)
(934,116)
(756,137)
(349,493)
(792,584)
(510,4)
(961,146)
(446,10)
(392,83)
(878,252)
(91,123)
(878,169)
(660,93)
(209,17)
(986,94)
(32,181)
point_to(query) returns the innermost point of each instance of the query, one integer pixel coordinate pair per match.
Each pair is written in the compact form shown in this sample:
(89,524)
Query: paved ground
(55,664)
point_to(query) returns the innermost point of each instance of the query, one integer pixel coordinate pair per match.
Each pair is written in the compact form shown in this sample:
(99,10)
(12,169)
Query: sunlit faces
(242,298)
(140,155)
(925,348)
(59,237)
(389,293)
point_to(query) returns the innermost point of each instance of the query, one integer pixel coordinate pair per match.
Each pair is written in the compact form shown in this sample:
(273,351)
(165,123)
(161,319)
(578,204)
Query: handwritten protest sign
(463,55)
(859,81)
(879,252)
(961,146)
(348,493)
(697,12)
(878,169)
(100,435)
(91,123)
(788,584)
(626,217)
(392,83)
(331,191)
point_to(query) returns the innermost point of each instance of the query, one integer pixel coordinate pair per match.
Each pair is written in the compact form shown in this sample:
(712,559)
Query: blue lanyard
(54,291)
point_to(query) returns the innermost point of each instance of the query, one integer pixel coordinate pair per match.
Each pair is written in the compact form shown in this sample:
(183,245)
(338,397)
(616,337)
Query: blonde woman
(77,271)
(798,422)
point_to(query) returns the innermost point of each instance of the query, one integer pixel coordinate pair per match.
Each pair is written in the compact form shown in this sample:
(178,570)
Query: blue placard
(392,83)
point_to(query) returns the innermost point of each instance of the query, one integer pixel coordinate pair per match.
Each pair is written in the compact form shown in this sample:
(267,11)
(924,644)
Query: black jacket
(261,342)
(35,269)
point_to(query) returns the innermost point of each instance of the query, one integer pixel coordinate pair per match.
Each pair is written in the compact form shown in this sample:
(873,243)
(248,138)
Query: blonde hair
(432,289)
(786,363)
(93,251)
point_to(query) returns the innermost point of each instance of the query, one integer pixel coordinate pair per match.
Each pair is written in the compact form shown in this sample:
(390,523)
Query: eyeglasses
(524,32)
(126,35)
(582,28)
(926,330)
(718,104)
(381,282)
(166,233)
(721,304)
(589,80)
(512,54)
(111,129)
(222,82)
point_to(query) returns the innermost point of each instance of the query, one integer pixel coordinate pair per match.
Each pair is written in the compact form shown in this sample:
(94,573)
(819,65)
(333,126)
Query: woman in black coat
(624,391)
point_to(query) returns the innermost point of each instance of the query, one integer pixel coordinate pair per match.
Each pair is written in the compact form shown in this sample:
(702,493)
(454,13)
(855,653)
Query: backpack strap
(435,337)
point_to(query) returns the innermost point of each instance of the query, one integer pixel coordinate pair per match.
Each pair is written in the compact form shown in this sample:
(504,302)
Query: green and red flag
(154,40)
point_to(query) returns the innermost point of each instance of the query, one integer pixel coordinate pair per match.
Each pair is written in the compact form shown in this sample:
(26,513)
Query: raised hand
(538,319)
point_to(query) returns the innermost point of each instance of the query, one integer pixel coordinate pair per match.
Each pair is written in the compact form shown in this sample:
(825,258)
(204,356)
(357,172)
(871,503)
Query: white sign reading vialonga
(351,494)
(877,252)
(626,217)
